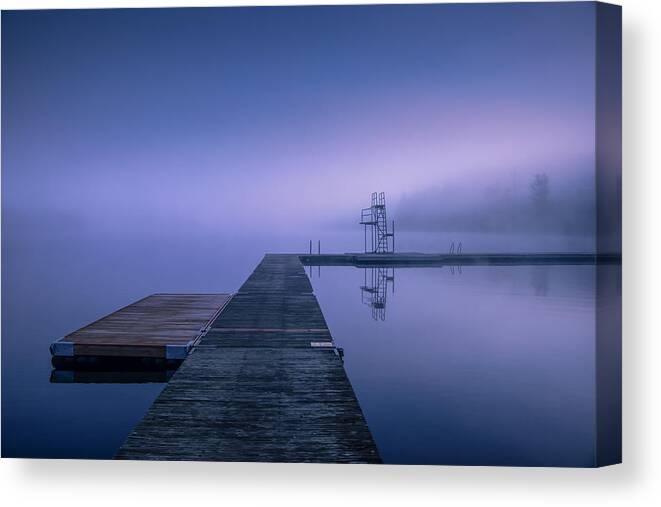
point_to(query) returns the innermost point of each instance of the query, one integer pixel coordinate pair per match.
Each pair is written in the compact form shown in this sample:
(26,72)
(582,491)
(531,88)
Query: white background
(636,482)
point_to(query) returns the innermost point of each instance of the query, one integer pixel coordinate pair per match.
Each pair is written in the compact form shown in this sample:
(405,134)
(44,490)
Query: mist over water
(521,203)
(261,121)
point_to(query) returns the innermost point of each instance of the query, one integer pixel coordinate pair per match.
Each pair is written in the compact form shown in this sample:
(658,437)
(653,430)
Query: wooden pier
(265,383)
(163,326)
(412,260)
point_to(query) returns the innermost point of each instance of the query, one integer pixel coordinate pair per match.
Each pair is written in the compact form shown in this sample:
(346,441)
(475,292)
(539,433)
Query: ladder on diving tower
(381,240)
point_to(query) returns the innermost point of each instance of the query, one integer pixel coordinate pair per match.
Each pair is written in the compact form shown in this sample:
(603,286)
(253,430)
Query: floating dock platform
(412,260)
(160,326)
(265,383)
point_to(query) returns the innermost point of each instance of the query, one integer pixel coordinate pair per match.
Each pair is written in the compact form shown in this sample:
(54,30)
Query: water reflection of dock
(113,372)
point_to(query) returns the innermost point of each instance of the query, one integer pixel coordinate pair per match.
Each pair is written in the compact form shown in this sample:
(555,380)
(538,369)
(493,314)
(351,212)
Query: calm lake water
(487,365)
(479,366)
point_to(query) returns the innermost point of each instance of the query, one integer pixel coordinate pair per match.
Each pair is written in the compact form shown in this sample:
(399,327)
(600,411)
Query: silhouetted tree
(539,192)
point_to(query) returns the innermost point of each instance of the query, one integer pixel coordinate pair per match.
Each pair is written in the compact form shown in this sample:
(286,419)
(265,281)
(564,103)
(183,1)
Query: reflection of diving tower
(375,289)
(374,219)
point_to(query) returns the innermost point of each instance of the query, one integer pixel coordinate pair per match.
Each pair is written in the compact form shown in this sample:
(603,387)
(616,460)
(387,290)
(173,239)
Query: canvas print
(382,234)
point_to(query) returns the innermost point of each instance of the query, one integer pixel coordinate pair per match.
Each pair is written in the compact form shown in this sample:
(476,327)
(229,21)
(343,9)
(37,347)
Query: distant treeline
(531,203)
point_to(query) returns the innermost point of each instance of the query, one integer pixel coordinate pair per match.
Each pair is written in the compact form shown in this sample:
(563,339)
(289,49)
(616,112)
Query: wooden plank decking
(264,384)
(159,326)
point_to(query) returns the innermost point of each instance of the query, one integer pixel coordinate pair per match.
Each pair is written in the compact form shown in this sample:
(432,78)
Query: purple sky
(211,118)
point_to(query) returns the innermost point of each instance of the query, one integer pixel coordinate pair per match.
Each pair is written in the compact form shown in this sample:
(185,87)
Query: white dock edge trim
(178,351)
(61,349)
